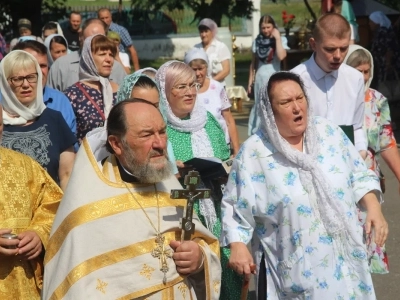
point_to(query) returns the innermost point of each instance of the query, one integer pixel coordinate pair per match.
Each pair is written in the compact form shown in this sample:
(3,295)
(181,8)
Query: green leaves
(213,9)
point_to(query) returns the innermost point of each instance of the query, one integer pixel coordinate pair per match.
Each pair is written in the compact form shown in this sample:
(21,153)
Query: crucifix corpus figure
(191,193)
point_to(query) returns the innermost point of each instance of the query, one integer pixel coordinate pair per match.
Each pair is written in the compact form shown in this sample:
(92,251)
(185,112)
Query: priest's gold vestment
(101,242)
(29,199)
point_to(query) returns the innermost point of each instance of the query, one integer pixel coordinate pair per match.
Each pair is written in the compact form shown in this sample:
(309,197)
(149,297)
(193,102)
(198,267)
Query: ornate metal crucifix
(191,193)
(162,254)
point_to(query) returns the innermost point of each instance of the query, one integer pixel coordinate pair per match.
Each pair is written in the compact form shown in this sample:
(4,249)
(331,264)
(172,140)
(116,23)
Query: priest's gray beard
(146,171)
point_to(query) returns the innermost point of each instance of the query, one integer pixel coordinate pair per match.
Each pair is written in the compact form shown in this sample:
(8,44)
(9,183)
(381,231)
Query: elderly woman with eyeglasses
(194,132)
(30,127)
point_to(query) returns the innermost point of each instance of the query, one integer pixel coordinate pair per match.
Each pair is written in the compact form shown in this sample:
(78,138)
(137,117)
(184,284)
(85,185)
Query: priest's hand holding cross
(188,256)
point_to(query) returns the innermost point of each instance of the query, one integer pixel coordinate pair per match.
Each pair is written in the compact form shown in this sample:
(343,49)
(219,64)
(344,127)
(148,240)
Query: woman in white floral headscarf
(292,192)
(94,94)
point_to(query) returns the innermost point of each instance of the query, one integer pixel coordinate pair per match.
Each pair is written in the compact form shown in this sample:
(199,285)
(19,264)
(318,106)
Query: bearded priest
(116,234)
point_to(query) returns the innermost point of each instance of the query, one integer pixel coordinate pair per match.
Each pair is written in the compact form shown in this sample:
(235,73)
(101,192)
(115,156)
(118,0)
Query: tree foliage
(37,11)
(306,3)
(213,9)
(395,4)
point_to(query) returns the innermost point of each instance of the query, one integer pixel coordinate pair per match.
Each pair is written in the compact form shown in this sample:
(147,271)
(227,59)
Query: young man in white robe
(116,234)
(336,92)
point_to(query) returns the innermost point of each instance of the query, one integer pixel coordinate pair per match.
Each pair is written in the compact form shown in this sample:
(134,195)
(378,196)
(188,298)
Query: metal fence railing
(183,20)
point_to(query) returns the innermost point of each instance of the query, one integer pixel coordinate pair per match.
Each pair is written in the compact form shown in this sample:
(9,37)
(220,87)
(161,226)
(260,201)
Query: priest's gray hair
(116,122)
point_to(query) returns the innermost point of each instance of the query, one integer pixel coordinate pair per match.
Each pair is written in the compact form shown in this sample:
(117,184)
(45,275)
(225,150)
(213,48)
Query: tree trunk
(313,15)
(215,12)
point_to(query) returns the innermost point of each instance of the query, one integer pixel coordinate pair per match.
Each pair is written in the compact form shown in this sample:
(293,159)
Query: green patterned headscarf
(125,90)
(348,13)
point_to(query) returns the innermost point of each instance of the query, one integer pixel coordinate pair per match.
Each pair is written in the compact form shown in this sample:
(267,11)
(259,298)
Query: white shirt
(217,52)
(125,59)
(337,96)
(215,100)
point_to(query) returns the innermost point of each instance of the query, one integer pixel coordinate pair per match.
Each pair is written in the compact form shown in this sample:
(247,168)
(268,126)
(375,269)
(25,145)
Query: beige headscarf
(88,72)
(353,48)
(14,112)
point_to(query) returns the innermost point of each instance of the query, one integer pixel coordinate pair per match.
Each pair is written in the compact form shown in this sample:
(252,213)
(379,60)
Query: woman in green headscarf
(140,85)
(346,10)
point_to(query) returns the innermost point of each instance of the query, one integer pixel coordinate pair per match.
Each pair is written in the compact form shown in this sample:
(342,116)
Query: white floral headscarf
(311,176)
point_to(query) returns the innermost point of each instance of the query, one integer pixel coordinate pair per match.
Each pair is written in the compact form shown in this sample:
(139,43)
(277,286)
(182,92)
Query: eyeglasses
(184,88)
(18,81)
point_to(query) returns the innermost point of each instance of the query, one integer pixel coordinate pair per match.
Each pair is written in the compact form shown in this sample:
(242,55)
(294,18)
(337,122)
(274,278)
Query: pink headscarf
(211,25)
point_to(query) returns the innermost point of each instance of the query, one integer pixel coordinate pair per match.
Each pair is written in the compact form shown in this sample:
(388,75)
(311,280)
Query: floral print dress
(87,115)
(385,39)
(265,203)
(378,128)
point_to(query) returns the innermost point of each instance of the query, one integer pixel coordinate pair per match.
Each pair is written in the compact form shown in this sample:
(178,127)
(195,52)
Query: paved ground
(387,286)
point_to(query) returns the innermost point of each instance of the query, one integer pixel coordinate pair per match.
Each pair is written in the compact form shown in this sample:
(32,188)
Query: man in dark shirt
(72,32)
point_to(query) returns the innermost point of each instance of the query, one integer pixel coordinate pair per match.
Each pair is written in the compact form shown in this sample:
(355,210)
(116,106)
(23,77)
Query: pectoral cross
(162,254)
(191,193)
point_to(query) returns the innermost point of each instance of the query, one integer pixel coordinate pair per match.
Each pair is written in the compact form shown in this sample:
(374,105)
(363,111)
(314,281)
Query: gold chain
(147,216)
(159,252)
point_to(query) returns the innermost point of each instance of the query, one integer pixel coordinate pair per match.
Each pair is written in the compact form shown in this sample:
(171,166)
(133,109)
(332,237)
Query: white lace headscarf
(88,72)
(311,176)
(14,112)
(201,144)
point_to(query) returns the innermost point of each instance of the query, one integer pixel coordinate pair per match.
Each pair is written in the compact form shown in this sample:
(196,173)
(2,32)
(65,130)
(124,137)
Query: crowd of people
(90,154)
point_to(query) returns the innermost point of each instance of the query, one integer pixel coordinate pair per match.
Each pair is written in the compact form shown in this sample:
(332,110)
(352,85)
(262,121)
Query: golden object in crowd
(302,37)
(234,48)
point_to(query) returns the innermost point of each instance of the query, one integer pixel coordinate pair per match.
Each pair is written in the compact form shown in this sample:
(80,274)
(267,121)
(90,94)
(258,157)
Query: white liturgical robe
(101,244)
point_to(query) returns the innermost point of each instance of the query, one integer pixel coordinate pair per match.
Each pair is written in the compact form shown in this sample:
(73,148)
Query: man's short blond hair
(331,25)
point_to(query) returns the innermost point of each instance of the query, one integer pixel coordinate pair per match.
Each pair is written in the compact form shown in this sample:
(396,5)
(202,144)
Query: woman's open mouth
(298,119)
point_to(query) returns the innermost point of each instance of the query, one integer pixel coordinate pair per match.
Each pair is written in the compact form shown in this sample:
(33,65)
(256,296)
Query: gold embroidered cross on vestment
(162,254)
